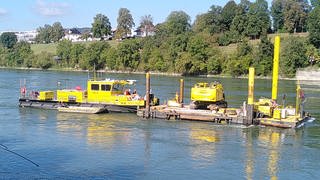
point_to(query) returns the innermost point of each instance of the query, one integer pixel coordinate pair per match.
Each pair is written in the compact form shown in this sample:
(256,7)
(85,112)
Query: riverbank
(141,72)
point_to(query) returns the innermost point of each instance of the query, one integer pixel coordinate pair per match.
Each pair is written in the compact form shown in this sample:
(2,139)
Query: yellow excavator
(207,96)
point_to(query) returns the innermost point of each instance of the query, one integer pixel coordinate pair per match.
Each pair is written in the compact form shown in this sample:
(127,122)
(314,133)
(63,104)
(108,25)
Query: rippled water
(122,146)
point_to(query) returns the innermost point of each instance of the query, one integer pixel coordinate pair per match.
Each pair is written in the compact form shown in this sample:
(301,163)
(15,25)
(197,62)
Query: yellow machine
(204,94)
(102,92)
(268,111)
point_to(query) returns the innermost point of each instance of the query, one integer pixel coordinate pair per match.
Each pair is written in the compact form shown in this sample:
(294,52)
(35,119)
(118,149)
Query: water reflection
(99,130)
(272,141)
(203,144)
(105,133)
(249,164)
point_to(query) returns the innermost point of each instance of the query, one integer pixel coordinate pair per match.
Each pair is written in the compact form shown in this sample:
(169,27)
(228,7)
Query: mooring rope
(8,150)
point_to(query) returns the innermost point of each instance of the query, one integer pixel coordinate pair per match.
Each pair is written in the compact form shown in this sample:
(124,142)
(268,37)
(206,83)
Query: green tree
(315,3)
(92,56)
(184,64)
(64,51)
(239,62)
(263,57)
(111,56)
(258,19)
(44,60)
(294,56)
(8,39)
(277,14)
(313,26)
(57,32)
(240,21)
(313,55)
(156,61)
(178,22)
(101,26)
(23,52)
(146,24)
(209,22)
(198,49)
(125,23)
(75,54)
(44,34)
(295,15)
(174,46)
(129,54)
(227,14)
(214,65)
(244,48)
(201,23)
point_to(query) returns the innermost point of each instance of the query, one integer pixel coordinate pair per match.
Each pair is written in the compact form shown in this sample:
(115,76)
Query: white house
(73,35)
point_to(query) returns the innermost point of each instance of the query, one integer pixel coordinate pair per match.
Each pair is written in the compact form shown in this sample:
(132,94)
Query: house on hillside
(144,31)
(72,34)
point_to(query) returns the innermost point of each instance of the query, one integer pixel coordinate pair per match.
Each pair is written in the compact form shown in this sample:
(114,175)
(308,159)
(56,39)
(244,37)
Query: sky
(23,15)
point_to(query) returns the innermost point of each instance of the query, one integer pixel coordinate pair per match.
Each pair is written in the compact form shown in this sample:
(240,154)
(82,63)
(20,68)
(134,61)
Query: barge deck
(223,116)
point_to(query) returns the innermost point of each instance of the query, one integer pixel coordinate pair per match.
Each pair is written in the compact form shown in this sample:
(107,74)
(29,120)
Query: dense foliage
(224,40)
(125,23)
(101,26)
(8,39)
(48,34)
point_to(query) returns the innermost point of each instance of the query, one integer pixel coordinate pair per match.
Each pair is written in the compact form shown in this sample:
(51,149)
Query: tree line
(190,49)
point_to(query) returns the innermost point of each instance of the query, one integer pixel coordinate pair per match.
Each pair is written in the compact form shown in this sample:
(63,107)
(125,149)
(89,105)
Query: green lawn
(51,48)
(38,48)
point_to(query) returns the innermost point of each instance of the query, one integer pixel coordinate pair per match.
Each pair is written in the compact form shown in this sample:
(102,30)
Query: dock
(223,116)
(226,116)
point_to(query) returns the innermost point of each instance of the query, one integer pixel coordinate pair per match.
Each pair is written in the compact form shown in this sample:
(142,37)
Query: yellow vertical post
(181,91)
(275,73)
(251,86)
(249,119)
(147,95)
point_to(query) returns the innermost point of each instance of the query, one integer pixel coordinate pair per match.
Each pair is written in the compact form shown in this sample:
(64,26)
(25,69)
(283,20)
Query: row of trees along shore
(224,40)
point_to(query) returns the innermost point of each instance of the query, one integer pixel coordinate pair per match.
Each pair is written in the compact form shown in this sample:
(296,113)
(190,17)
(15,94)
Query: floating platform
(76,107)
(79,109)
(223,116)
(288,122)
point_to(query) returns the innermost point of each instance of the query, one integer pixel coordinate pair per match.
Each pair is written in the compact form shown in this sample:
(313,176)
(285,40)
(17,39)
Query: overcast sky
(20,15)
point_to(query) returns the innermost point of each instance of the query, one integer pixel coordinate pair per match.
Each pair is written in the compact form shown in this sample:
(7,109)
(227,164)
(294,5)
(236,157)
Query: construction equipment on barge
(100,96)
(262,112)
(205,95)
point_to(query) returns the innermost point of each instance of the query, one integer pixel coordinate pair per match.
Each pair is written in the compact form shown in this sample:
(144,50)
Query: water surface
(123,146)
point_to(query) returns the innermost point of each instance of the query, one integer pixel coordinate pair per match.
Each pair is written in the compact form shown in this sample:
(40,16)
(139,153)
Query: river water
(123,146)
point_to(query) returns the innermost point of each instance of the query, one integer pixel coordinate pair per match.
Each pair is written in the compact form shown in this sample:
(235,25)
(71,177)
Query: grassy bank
(227,50)
(232,48)
(51,47)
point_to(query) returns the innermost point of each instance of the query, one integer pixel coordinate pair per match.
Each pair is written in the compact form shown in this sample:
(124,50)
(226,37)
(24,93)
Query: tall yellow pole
(147,95)
(181,91)
(251,86)
(275,73)
(249,119)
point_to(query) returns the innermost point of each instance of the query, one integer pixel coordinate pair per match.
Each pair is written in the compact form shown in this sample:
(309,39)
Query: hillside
(51,48)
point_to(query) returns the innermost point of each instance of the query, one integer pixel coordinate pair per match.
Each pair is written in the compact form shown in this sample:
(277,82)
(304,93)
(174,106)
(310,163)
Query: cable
(8,150)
